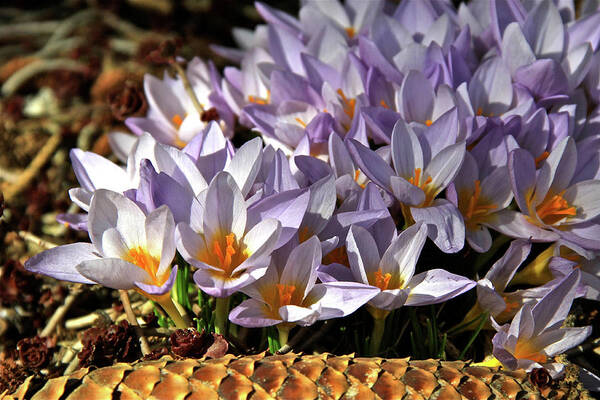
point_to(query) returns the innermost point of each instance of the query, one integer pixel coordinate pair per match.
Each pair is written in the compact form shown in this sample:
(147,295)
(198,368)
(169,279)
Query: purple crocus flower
(129,250)
(419,175)
(552,198)
(535,333)
(172,118)
(290,295)
(393,273)
(228,253)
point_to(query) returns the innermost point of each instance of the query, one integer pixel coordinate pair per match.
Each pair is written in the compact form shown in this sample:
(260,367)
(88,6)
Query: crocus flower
(492,296)
(535,333)
(420,173)
(290,295)
(393,273)
(172,117)
(129,250)
(552,198)
(228,253)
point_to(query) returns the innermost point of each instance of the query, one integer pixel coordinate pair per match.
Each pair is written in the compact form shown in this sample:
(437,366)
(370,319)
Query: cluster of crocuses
(381,126)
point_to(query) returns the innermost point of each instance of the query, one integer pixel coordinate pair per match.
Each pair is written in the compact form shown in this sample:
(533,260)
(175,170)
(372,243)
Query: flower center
(481,113)
(348,104)
(177,120)
(381,280)
(424,185)
(226,254)
(285,294)
(260,100)
(476,207)
(350,31)
(337,255)
(526,350)
(554,209)
(141,258)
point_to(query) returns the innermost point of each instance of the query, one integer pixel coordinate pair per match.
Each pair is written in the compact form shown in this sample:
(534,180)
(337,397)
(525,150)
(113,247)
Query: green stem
(167,304)
(221,315)
(284,332)
(376,335)
(484,318)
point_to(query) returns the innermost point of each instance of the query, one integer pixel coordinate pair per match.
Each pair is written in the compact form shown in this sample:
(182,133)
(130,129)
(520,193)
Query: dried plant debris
(191,343)
(104,346)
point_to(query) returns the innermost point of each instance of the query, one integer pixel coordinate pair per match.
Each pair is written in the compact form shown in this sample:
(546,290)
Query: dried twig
(34,167)
(61,311)
(133,321)
(36,67)
(28,28)
(38,241)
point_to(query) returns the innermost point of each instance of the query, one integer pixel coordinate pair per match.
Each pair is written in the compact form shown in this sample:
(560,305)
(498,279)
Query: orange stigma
(298,120)
(141,258)
(428,122)
(350,31)
(541,158)
(260,100)
(474,209)
(177,120)
(348,104)
(554,209)
(382,280)
(285,293)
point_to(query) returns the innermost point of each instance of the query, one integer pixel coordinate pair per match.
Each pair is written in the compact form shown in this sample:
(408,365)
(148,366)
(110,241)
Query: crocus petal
(301,267)
(586,197)
(371,164)
(60,262)
(338,299)
(436,286)
(515,224)
(96,172)
(445,224)
(406,150)
(287,207)
(159,290)
(362,253)
(522,176)
(113,273)
(553,308)
(112,210)
(225,208)
(251,314)
(245,164)
(401,257)
(160,237)
(300,315)
(445,165)
(505,268)
(405,192)
(389,299)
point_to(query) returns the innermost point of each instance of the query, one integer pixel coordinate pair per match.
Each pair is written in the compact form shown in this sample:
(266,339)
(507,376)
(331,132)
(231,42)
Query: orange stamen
(338,255)
(384,104)
(382,280)
(260,100)
(525,350)
(177,120)
(225,259)
(429,191)
(350,31)
(428,122)
(555,208)
(541,158)
(298,120)
(475,209)
(141,258)
(285,293)
(348,104)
